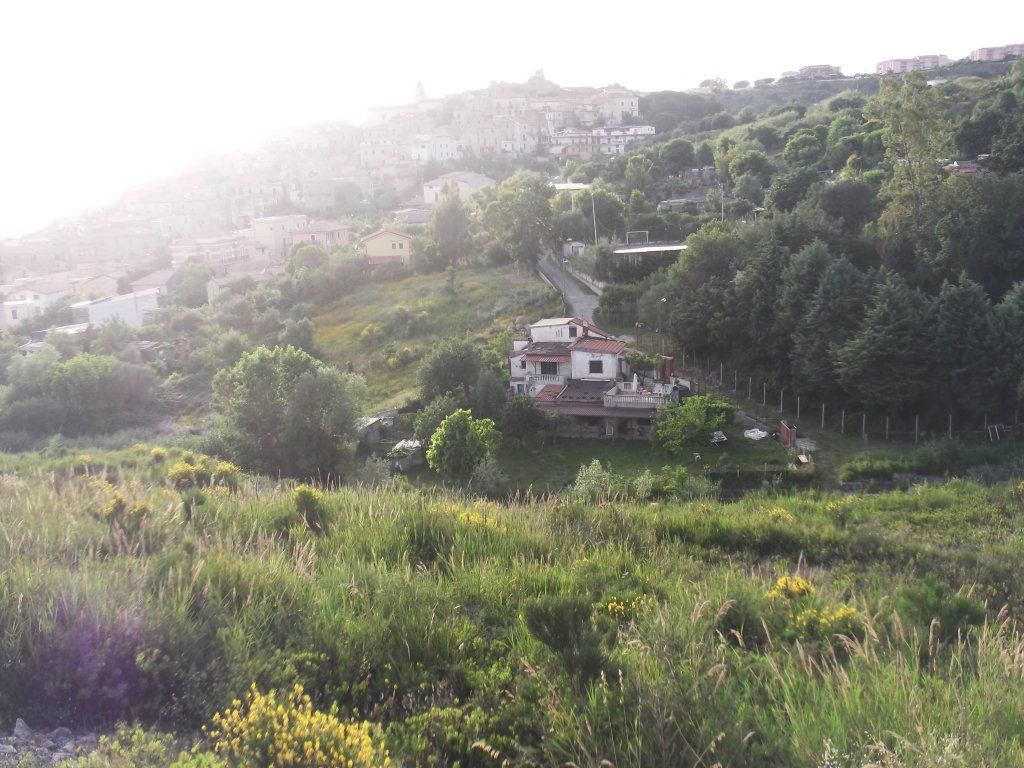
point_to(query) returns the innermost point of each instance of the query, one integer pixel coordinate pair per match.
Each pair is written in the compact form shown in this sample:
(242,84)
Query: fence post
(721,374)
(780,399)
(735,382)
(822,415)
(864,425)
(949,429)
(842,422)
(917,427)
(887,428)
(798,407)
(764,394)
(750,384)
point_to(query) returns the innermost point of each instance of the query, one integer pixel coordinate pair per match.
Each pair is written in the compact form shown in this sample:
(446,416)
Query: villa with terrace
(571,367)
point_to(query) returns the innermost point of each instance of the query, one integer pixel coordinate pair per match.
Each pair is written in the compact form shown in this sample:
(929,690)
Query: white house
(571,367)
(463,182)
(323,234)
(30,298)
(134,309)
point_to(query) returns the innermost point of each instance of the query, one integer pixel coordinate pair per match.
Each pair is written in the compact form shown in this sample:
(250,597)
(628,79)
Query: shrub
(487,478)
(373,473)
(310,504)
(563,623)
(132,747)
(460,444)
(286,731)
(791,587)
(157,456)
(932,600)
(595,483)
(681,426)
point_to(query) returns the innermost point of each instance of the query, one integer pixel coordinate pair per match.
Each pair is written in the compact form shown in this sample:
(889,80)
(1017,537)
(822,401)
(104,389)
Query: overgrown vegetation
(788,630)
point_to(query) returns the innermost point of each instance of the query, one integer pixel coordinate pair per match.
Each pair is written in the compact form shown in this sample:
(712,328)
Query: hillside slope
(383,329)
(807,630)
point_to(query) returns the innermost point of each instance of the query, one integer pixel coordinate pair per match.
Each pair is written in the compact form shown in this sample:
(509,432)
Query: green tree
(704,154)
(430,417)
(601,201)
(833,314)
(885,365)
(753,162)
(638,173)
(460,444)
(678,155)
(680,427)
(803,150)
(452,366)
(749,188)
(450,223)
(29,375)
(523,419)
(519,216)
(915,131)
(286,412)
(189,287)
(962,326)
(305,258)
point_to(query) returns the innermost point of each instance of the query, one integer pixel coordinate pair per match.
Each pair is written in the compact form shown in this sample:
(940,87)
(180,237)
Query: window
(401,246)
(14,314)
(394,246)
(572,331)
(597,366)
(549,369)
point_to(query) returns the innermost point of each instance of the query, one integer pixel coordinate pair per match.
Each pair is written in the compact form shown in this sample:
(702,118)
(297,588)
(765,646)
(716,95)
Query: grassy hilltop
(383,329)
(805,630)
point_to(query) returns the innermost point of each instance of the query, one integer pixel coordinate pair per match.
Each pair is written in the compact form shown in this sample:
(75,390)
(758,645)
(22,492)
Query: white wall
(581,365)
(554,332)
(133,308)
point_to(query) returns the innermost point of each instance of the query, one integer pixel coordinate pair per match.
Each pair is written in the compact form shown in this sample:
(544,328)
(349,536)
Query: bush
(310,504)
(595,483)
(287,731)
(487,478)
(564,625)
(681,426)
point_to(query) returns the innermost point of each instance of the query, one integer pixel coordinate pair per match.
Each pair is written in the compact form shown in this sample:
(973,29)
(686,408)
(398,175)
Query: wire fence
(771,404)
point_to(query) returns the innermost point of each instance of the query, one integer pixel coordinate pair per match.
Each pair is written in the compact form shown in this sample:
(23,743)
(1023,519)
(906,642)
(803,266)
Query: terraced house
(571,367)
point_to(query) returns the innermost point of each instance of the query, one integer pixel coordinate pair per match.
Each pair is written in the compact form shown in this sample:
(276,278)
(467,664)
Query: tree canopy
(286,412)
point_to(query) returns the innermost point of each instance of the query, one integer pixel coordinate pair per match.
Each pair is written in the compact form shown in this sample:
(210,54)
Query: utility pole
(593,215)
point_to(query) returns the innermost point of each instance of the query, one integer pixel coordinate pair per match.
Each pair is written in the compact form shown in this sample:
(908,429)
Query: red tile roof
(609,346)
(380,232)
(549,393)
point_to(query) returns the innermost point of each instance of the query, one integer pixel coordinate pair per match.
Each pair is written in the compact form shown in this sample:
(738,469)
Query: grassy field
(553,466)
(383,329)
(809,629)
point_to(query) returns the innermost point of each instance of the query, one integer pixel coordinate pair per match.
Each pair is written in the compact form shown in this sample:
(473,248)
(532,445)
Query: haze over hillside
(97,103)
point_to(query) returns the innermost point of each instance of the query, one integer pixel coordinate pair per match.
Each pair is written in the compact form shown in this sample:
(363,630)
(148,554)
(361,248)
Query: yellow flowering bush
(627,610)
(201,471)
(288,732)
(791,587)
(814,623)
(780,515)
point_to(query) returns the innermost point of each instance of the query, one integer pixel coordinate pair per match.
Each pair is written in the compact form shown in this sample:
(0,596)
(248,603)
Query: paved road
(581,301)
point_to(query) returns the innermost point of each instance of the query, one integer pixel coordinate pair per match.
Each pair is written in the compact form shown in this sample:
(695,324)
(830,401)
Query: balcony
(543,379)
(628,394)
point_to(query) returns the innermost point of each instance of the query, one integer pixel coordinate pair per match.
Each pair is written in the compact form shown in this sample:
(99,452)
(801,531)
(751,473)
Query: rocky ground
(29,747)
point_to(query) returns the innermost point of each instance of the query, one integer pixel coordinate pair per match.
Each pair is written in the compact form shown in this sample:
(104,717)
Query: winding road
(581,301)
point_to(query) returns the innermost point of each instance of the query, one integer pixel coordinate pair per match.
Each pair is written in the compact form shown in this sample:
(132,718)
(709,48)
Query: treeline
(876,276)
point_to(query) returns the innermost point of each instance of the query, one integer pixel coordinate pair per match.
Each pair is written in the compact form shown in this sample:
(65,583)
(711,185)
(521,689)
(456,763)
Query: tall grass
(544,631)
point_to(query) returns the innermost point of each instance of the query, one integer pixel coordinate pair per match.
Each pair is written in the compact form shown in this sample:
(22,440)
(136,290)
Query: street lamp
(661,309)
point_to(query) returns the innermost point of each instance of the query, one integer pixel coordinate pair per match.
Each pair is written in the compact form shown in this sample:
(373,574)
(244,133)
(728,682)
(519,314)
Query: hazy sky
(98,95)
